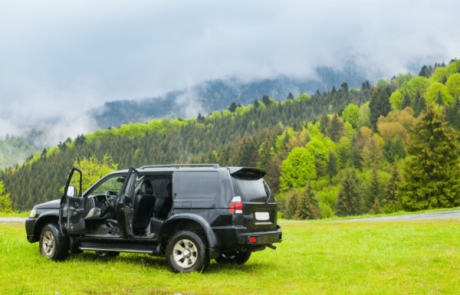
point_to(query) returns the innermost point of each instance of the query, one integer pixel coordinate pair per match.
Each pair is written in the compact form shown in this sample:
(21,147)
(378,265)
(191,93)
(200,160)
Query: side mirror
(71,191)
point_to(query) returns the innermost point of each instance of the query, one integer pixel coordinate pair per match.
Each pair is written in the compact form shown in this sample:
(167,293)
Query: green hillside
(352,145)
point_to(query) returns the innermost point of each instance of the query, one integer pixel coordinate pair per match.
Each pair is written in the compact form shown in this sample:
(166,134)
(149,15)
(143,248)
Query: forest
(378,148)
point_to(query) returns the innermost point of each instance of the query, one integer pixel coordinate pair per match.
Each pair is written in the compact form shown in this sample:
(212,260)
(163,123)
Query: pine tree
(419,104)
(335,128)
(266,100)
(256,103)
(345,88)
(373,190)
(331,168)
(348,199)
(232,107)
(291,204)
(406,101)
(431,175)
(379,105)
(290,96)
(439,100)
(307,205)
(323,124)
(390,197)
(423,71)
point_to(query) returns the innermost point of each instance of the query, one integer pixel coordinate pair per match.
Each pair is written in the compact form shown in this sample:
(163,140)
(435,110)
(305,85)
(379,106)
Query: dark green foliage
(394,149)
(423,71)
(439,100)
(344,87)
(335,129)
(266,100)
(291,204)
(331,168)
(406,101)
(323,124)
(453,114)
(432,173)
(307,205)
(420,104)
(256,103)
(232,107)
(379,105)
(374,191)
(390,196)
(290,96)
(349,198)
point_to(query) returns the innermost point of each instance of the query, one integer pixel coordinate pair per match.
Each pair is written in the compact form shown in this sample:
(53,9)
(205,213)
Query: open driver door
(71,211)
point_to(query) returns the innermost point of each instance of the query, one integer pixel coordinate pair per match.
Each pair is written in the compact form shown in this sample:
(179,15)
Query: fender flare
(212,239)
(51,214)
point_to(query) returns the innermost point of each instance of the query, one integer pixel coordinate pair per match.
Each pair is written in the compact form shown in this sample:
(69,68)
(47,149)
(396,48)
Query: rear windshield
(251,190)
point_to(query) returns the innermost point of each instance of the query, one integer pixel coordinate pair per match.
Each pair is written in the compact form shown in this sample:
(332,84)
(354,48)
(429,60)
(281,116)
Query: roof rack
(177,166)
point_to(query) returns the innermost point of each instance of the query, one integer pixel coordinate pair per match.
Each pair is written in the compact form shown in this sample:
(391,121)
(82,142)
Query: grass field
(418,257)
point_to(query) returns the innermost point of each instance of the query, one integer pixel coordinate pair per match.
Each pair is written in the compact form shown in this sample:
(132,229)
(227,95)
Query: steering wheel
(107,194)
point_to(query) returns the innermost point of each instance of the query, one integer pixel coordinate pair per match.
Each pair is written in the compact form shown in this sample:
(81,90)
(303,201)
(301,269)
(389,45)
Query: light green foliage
(403,78)
(417,83)
(319,150)
(364,116)
(242,109)
(349,130)
(381,84)
(432,91)
(5,201)
(453,85)
(93,170)
(226,113)
(302,97)
(262,106)
(280,139)
(351,114)
(439,74)
(216,115)
(297,169)
(396,99)
(327,200)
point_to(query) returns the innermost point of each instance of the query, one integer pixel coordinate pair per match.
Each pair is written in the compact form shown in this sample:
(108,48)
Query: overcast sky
(60,58)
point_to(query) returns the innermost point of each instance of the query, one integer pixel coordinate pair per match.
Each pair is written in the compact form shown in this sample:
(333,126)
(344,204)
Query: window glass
(252,190)
(197,185)
(113,184)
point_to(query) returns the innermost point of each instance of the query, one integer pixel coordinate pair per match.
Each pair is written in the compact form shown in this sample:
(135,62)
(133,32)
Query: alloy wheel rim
(185,253)
(48,244)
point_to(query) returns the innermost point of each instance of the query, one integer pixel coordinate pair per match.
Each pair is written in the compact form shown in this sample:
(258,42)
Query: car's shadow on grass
(161,263)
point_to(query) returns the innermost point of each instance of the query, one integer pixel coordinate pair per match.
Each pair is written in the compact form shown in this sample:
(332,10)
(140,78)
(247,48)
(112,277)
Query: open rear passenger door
(72,206)
(124,206)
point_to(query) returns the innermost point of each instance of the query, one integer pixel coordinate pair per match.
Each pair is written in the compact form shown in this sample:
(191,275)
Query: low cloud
(58,63)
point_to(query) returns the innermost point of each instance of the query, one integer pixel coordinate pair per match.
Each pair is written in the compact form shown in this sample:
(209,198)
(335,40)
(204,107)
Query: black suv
(188,213)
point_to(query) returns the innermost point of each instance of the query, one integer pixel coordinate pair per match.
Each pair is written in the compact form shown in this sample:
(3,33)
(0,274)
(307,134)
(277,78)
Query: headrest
(146,188)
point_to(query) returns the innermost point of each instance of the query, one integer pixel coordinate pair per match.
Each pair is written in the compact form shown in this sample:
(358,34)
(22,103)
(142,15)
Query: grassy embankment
(315,257)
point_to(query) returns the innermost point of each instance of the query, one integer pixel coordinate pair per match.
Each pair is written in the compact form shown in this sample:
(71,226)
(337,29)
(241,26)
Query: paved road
(435,215)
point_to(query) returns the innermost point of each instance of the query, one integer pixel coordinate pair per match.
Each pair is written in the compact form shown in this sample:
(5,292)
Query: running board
(127,248)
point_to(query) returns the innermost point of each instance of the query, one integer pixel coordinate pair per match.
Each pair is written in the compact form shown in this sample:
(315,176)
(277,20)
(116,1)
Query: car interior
(152,199)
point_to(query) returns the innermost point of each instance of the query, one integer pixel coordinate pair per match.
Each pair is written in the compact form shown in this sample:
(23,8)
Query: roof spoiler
(247,173)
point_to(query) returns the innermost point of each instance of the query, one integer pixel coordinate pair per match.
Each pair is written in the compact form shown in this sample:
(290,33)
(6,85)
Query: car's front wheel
(238,257)
(53,245)
(186,252)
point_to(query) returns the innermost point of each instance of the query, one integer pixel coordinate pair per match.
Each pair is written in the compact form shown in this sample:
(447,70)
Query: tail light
(236,206)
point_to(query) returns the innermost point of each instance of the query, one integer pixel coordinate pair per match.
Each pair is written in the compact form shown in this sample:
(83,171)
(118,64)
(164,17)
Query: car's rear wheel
(107,253)
(238,257)
(186,252)
(53,245)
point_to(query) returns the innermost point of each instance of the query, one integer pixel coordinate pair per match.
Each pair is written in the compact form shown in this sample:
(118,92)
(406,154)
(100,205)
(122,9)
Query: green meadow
(417,257)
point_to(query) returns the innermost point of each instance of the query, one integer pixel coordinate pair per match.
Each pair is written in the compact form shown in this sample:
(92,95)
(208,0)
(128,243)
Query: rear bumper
(30,226)
(261,238)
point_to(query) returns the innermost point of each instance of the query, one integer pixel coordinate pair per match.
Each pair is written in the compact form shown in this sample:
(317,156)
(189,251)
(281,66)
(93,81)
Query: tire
(107,254)
(240,257)
(195,257)
(53,245)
